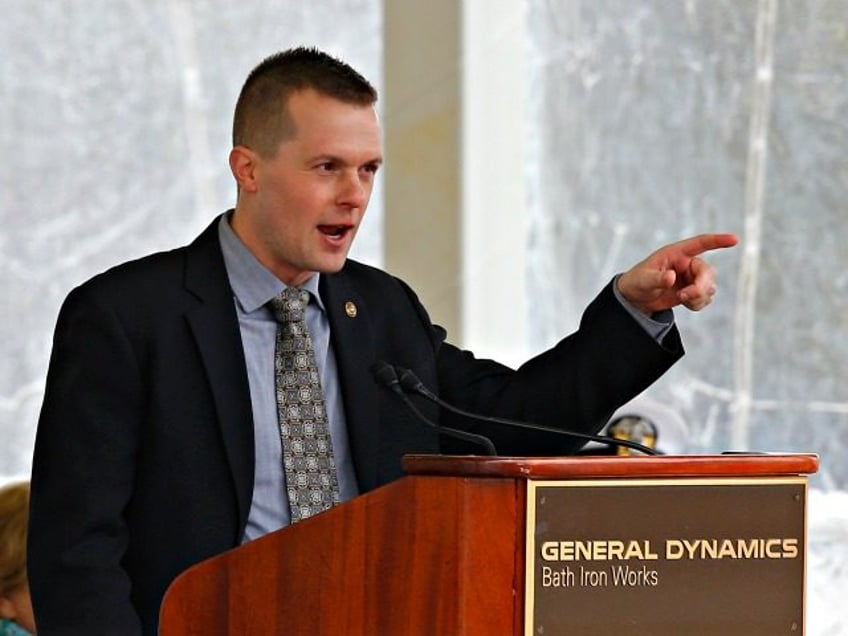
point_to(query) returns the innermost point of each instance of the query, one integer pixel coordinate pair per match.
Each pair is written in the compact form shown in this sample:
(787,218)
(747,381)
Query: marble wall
(666,119)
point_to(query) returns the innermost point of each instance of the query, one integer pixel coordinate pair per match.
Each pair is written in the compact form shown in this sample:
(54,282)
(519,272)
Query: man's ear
(243,163)
(7,608)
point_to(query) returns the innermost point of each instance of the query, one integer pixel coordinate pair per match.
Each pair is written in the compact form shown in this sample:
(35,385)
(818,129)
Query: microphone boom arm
(386,375)
(409,381)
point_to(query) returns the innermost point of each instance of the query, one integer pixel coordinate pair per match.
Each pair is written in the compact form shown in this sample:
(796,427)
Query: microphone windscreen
(384,373)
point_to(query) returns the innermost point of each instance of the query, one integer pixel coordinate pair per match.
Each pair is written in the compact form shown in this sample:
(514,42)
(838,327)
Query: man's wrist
(657,324)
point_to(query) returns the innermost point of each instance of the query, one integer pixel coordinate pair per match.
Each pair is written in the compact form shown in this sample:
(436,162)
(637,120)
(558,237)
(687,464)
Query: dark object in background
(631,427)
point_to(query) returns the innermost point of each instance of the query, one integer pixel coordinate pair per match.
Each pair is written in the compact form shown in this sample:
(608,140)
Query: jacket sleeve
(82,476)
(576,385)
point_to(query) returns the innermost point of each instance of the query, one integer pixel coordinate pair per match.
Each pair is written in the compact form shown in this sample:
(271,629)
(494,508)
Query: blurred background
(534,148)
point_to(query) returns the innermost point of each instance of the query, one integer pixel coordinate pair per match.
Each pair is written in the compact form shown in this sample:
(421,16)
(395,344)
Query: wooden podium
(463,546)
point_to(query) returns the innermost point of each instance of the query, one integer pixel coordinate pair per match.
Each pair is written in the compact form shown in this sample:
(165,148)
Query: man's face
(308,200)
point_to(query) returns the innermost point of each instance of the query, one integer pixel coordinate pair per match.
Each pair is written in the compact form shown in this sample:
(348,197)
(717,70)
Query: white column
(454,180)
(494,302)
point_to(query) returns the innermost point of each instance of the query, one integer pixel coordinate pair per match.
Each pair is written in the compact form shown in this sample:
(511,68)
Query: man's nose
(354,191)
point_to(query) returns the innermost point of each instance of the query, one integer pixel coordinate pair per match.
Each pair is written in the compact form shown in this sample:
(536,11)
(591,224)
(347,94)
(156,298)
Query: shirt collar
(252,283)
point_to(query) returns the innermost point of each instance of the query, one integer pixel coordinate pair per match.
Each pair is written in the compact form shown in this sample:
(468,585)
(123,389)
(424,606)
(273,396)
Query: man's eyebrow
(320,158)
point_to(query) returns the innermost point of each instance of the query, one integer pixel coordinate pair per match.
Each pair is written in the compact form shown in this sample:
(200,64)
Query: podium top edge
(584,467)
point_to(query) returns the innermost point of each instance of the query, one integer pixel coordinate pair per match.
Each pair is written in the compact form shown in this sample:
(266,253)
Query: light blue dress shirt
(253,286)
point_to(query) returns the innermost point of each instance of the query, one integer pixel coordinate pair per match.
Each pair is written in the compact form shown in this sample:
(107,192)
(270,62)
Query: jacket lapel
(353,345)
(214,324)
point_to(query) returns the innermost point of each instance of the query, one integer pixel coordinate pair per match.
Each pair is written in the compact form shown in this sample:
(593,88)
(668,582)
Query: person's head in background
(15,604)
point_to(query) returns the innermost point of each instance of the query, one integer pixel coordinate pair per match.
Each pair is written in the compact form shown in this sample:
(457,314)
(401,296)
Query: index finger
(706,242)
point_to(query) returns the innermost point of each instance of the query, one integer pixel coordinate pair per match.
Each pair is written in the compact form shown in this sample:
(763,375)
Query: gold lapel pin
(350,309)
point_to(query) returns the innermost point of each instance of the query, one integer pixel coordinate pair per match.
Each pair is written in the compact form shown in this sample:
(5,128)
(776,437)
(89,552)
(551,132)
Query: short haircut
(262,120)
(14,517)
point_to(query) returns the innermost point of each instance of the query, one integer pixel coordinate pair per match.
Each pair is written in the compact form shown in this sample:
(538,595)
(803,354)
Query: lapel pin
(350,309)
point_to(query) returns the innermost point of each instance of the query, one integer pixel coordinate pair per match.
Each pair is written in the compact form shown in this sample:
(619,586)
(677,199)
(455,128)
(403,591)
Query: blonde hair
(14,516)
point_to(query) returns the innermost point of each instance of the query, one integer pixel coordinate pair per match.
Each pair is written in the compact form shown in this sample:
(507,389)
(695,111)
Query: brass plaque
(713,557)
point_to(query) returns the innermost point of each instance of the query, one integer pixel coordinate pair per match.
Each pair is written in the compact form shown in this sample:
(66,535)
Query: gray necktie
(310,469)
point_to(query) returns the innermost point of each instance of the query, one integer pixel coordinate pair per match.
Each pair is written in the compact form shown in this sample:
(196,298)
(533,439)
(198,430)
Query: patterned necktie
(310,469)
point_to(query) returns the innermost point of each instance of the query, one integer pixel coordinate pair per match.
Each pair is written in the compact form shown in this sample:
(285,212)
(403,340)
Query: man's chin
(332,266)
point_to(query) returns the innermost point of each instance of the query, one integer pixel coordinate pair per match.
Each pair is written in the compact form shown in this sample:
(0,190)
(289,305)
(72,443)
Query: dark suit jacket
(144,453)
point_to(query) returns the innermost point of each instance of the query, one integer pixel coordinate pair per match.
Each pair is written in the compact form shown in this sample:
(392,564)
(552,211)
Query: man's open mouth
(334,231)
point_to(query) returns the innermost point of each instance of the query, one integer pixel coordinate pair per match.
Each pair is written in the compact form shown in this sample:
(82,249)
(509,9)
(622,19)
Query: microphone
(409,381)
(386,376)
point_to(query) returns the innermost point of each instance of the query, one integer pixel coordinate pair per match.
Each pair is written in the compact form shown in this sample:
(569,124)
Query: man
(160,442)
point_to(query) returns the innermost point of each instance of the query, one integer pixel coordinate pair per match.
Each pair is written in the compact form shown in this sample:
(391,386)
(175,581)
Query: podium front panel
(713,557)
